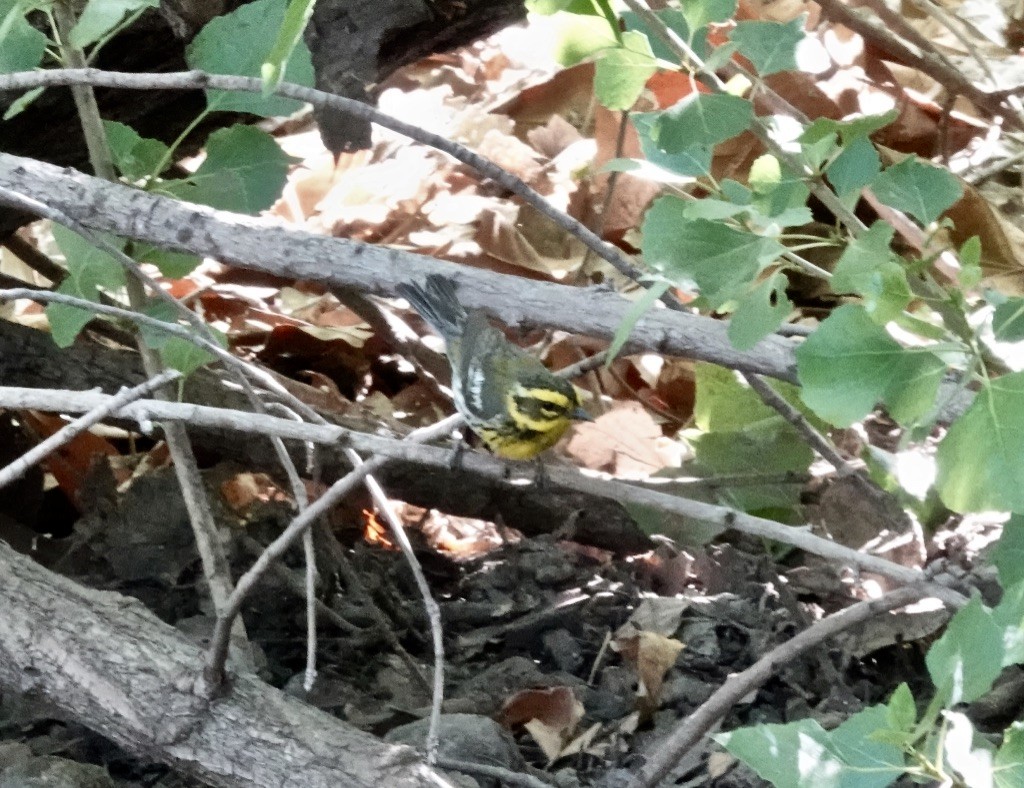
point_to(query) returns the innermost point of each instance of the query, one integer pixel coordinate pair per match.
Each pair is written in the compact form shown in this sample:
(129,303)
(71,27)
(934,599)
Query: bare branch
(263,244)
(697,724)
(92,417)
(412,450)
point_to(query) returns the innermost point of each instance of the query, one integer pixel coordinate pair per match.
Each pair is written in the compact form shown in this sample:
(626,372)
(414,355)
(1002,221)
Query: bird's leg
(540,474)
(458,449)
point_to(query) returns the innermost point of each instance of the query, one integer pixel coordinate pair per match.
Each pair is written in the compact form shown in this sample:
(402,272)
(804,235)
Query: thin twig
(297,586)
(216,569)
(35,259)
(505,776)
(927,62)
(411,450)
(217,654)
(738,686)
(429,604)
(814,439)
(200,80)
(66,434)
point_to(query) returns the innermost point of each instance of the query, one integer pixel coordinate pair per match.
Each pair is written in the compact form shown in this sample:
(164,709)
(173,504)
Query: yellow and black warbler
(508,397)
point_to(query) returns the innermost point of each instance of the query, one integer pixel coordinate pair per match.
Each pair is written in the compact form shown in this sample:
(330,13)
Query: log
(103,660)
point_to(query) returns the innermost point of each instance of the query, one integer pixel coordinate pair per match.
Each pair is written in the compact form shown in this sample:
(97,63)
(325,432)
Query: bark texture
(105,661)
(264,245)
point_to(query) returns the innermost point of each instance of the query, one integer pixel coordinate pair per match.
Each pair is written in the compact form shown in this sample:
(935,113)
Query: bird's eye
(548,410)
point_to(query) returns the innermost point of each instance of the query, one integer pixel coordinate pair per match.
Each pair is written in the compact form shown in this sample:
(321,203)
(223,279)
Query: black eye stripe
(532,406)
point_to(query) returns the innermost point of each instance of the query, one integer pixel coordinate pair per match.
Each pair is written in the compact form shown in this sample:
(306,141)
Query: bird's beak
(580,415)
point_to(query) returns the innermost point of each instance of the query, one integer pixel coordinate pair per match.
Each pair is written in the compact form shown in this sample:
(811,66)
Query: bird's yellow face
(538,417)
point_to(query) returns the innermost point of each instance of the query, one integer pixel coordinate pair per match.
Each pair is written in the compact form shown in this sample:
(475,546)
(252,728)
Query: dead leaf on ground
(651,655)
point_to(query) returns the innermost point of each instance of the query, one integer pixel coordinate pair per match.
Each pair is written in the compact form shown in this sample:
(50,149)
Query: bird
(517,406)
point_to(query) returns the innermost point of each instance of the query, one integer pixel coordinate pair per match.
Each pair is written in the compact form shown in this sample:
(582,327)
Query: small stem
(85,98)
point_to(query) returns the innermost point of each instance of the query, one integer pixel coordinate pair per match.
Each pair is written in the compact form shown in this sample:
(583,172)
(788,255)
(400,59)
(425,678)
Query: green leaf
(760,312)
(66,322)
(173,265)
(700,13)
(917,188)
(622,73)
(765,174)
(738,433)
(868,268)
(901,714)
(165,313)
(850,364)
(778,196)
(770,46)
(794,755)
(970,263)
(672,18)
(965,661)
(702,119)
(296,16)
(184,356)
(1008,320)
(1008,554)
(244,171)
(690,162)
(720,260)
(1008,615)
(969,755)
(546,7)
(802,754)
(854,168)
(1009,760)
(20,104)
(579,38)
(101,16)
(89,268)
(979,460)
(847,130)
(712,209)
(135,157)
(970,252)
(867,763)
(637,309)
(239,43)
(685,532)
(21,46)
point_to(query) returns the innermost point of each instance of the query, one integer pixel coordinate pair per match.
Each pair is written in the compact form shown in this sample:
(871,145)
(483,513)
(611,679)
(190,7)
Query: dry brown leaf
(651,655)
(554,137)
(245,490)
(556,707)
(626,441)
(71,464)
(632,195)
(1002,243)
(505,241)
(661,615)
(719,763)
(510,154)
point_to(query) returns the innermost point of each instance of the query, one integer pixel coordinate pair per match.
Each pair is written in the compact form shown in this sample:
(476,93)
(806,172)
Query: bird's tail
(438,304)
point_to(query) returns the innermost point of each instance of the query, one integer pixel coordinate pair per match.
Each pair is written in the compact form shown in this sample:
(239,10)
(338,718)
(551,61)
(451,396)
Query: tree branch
(264,245)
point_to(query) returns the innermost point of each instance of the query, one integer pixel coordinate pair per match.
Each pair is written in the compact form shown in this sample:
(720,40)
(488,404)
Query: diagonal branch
(264,245)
